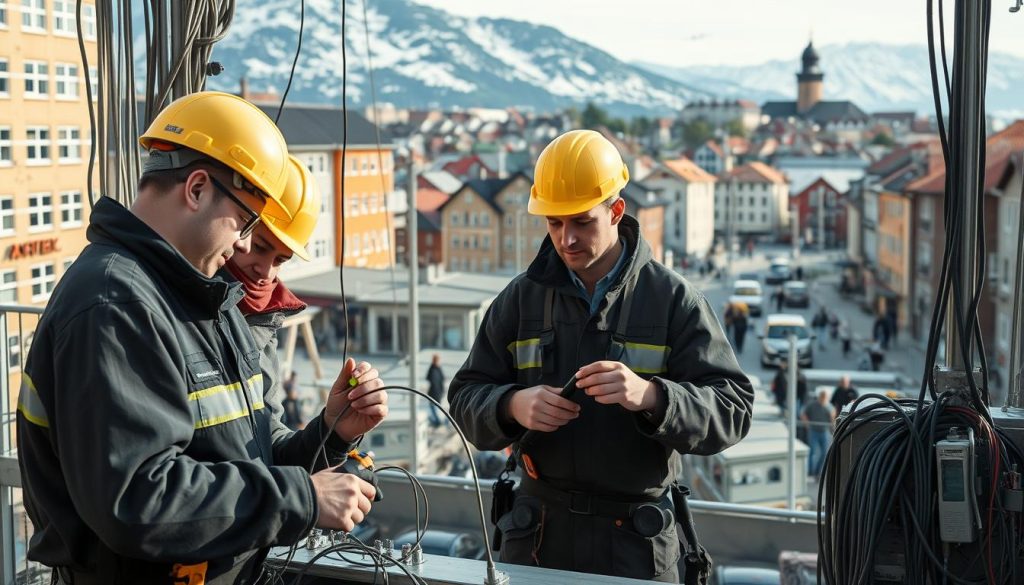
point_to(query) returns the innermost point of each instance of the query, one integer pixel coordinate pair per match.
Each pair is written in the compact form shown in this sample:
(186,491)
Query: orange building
(44,149)
(894,252)
(364,180)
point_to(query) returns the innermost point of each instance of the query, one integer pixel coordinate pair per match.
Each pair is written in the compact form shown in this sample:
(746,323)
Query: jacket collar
(548,269)
(112,223)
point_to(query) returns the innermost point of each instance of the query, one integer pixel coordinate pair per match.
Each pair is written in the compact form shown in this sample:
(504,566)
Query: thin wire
(298,51)
(344,166)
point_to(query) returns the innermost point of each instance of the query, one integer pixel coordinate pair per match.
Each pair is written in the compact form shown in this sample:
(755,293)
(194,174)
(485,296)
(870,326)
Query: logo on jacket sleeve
(189,574)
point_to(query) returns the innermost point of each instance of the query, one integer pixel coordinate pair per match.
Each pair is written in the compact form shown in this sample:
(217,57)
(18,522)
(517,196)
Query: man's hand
(342,498)
(540,408)
(369,405)
(613,383)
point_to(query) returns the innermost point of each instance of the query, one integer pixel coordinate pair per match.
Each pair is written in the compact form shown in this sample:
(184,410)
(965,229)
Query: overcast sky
(705,32)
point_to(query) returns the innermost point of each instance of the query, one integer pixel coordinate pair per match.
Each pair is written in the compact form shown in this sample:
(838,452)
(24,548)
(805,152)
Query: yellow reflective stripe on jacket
(29,404)
(644,358)
(525,353)
(225,403)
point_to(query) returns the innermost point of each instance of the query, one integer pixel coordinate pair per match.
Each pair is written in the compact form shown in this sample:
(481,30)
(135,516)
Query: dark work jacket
(673,337)
(144,438)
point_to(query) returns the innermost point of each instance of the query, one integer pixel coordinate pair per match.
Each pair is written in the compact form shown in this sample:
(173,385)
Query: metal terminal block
(412,556)
(956,380)
(316,540)
(389,548)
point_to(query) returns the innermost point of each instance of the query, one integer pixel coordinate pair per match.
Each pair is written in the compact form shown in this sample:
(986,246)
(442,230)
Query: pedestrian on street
(799,272)
(892,321)
(880,331)
(845,336)
(820,324)
(833,325)
(844,394)
(818,419)
(779,296)
(435,376)
(660,381)
(740,322)
(877,353)
(780,389)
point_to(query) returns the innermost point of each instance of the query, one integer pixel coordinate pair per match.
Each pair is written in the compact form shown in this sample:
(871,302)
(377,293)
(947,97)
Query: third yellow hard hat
(301,200)
(576,172)
(230,130)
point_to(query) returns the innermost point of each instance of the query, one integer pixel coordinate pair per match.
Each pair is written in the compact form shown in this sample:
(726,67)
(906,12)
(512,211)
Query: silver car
(775,340)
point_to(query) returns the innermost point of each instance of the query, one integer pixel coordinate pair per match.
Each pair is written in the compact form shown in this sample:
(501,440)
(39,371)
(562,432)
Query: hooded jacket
(672,337)
(144,437)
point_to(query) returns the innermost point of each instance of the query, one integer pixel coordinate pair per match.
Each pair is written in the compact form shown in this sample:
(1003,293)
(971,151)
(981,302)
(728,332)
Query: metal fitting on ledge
(412,556)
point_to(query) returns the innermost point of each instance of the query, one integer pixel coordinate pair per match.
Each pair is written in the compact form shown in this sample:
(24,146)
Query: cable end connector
(494,576)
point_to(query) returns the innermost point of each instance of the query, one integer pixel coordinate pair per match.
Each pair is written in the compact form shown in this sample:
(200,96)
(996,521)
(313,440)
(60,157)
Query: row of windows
(33,17)
(43,279)
(470,264)
(510,220)
(509,240)
(739,217)
(37,82)
(752,201)
(365,203)
(368,164)
(38,145)
(40,212)
(471,242)
(367,243)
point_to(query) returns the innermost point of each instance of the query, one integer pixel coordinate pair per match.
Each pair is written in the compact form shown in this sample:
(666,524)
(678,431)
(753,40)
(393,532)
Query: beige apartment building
(44,151)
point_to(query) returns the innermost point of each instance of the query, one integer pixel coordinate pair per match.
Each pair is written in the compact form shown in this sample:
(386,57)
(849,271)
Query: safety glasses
(254,218)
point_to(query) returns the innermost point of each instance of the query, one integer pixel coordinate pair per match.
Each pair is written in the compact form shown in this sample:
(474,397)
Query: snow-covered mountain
(874,76)
(423,56)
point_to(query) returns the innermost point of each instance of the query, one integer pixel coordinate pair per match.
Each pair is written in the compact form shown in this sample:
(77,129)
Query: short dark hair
(166,180)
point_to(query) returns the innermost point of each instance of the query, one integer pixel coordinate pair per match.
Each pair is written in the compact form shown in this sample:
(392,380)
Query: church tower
(809,80)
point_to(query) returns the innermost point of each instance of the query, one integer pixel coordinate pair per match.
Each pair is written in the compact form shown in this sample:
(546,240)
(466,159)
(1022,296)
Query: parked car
(794,294)
(775,340)
(779,271)
(748,292)
(745,576)
(749,276)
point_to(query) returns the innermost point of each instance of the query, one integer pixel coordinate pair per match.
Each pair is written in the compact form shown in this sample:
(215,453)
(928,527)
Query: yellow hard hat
(230,130)
(574,173)
(302,201)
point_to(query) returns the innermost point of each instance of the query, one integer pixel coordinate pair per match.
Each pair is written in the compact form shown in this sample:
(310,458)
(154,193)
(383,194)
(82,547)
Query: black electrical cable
(417,492)
(295,61)
(344,166)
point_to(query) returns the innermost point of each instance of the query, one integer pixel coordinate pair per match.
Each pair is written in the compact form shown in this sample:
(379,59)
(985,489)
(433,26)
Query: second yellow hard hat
(575,173)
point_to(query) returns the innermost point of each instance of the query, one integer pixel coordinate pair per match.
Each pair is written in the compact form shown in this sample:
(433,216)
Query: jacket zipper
(244,383)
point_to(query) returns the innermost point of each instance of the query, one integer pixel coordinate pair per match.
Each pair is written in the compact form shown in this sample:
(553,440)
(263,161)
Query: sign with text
(33,248)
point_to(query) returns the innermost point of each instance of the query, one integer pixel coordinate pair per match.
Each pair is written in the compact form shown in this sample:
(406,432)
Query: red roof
(756,172)
(689,171)
(999,148)
(428,200)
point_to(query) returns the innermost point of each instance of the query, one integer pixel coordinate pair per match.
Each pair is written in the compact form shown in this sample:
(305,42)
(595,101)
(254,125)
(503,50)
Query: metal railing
(17,325)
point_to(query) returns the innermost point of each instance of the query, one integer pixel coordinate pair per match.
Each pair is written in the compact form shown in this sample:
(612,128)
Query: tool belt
(588,504)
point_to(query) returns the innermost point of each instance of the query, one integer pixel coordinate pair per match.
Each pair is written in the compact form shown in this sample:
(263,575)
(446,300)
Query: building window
(71,209)
(69,144)
(6,216)
(42,281)
(364,206)
(37,79)
(455,219)
(37,144)
(66,264)
(487,243)
(94,82)
(65,78)
(8,286)
(373,203)
(89,22)
(5,146)
(3,14)
(33,15)
(764,217)
(40,212)
(14,351)
(455,242)
(64,17)
(5,76)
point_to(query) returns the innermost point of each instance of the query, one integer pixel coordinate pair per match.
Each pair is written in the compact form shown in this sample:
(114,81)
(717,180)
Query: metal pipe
(791,415)
(968,102)
(1013,394)
(414,315)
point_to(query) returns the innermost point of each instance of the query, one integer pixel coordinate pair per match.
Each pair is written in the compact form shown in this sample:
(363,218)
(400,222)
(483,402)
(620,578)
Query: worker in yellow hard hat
(268,302)
(145,443)
(651,376)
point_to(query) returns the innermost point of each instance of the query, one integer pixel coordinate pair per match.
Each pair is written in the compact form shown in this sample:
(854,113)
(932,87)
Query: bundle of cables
(379,560)
(878,510)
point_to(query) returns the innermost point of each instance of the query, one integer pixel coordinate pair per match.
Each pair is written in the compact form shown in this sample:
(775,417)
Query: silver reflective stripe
(644,358)
(526,353)
(29,404)
(224,403)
